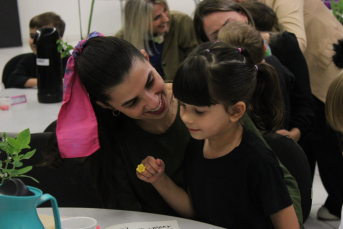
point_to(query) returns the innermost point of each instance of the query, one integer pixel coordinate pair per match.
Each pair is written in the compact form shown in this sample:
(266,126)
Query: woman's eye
(150,84)
(133,103)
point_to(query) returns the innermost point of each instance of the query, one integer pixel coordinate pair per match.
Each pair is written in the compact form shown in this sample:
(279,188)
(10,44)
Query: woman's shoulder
(119,33)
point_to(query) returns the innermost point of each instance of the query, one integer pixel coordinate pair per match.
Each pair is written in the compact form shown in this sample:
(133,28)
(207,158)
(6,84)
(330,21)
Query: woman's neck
(224,144)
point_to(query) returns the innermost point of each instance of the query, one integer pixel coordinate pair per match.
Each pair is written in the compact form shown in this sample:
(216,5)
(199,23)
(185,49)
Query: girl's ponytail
(267,106)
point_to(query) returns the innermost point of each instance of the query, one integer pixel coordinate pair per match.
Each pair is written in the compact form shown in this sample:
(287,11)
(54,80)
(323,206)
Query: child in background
(334,100)
(25,74)
(299,115)
(233,179)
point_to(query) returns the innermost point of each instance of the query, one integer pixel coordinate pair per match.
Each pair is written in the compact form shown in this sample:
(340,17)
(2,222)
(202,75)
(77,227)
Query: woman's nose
(165,17)
(153,100)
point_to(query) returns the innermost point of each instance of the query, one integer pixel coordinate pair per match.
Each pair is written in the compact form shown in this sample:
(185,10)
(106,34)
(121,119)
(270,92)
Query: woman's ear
(103,105)
(237,111)
(244,16)
(145,54)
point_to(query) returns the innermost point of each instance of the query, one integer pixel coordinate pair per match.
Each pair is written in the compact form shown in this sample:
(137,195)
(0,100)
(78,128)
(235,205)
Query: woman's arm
(285,219)
(176,197)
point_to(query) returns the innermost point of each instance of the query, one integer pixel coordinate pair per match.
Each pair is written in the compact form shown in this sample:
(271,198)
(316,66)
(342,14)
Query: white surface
(172,224)
(107,218)
(32,114)
(78,223)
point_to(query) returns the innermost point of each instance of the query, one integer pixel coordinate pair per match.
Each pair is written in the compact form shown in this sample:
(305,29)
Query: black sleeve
(25,69)
(302,104)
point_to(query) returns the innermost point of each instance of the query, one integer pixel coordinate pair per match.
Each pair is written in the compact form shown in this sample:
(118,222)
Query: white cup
(78,223)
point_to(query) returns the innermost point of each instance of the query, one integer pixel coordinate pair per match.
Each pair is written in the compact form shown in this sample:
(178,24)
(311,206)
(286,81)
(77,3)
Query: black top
(238,190)
(26,69)
(302,104)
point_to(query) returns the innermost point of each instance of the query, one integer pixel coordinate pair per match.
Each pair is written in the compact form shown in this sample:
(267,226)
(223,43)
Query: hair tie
(239,49)
(256,67)
(217,40)
(207,50)
(77,127)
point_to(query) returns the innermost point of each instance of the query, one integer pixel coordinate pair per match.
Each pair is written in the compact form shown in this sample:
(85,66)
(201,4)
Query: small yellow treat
(140,168)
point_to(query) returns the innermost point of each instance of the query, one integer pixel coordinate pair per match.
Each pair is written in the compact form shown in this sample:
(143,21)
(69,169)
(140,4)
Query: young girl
(233,179)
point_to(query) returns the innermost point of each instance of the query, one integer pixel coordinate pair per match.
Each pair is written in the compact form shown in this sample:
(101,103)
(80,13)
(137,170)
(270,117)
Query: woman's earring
(116,114)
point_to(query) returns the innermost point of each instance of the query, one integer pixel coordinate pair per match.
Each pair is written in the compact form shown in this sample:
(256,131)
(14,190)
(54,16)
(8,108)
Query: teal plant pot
(20,211)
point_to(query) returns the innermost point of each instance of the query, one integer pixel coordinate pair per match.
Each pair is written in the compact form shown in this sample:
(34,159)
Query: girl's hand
(154,170)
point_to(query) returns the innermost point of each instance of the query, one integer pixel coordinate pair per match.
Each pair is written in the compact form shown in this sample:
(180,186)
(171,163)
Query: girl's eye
(199,112)
(182,104)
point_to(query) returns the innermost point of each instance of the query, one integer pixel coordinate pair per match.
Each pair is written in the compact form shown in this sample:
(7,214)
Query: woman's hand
(294,134)
(154,170)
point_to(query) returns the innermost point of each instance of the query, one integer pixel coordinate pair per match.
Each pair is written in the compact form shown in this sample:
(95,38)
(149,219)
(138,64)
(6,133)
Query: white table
(106,218)
(32,114)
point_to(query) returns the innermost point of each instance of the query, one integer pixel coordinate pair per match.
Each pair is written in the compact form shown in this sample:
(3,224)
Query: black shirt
(238,190)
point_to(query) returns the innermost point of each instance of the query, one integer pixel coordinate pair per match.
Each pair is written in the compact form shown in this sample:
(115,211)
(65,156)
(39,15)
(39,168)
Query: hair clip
(239,49)
(256,67)
(217,40)
(207,50)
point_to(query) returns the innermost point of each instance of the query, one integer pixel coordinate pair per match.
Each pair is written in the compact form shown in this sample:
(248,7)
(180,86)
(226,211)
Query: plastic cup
(5,102)
(78,223)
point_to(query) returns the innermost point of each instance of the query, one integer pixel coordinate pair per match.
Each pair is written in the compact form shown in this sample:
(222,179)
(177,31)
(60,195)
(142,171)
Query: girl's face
(142,95)
(160,18)
(206,122)
(215,21)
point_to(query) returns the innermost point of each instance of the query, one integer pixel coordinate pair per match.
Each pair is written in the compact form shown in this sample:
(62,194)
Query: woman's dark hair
(103,64)
(217,72)
(264,17)
(207,7)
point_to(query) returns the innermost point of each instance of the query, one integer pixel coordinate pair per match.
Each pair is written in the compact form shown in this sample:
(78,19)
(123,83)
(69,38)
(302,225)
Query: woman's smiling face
(142,95)
(160,18)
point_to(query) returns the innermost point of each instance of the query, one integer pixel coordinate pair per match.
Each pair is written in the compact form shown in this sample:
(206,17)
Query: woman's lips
(193,130)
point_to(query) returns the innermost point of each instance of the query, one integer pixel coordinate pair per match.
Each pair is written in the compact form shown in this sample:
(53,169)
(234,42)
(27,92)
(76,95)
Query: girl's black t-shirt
(239,190)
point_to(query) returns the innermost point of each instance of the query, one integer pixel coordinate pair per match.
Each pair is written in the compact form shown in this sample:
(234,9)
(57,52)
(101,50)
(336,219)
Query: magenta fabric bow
(77,127)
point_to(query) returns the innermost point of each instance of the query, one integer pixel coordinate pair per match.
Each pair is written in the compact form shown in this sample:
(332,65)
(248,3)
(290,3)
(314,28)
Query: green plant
(64,48)
(337,9)
(12,165)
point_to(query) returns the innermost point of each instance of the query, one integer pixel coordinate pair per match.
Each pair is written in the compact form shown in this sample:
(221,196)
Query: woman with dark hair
(116,111)
(216,85)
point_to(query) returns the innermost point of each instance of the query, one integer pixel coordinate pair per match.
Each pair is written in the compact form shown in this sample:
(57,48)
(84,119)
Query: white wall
(106,15)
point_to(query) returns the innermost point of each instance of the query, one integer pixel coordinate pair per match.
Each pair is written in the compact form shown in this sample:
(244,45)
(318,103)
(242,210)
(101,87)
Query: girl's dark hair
(217,72)
(103,64)
(207,7)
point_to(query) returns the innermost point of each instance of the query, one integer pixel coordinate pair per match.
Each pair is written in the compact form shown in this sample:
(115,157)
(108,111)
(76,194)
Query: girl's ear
(237,111)
(145,54)
(103,105)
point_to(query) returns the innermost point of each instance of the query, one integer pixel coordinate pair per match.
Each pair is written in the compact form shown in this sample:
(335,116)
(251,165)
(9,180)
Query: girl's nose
(186,117)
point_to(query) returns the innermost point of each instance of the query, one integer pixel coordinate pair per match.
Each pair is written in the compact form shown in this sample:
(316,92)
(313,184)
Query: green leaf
(63,54)
(59,48)
(28,177)
(17,164)
(13,142)
(24,138)
(29,154)
(0,164)
(22,171)
(70,47)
